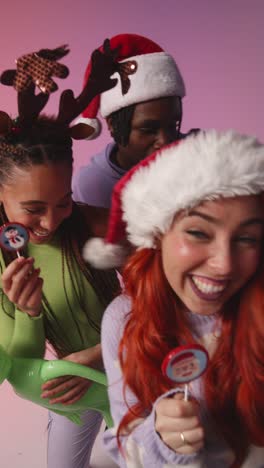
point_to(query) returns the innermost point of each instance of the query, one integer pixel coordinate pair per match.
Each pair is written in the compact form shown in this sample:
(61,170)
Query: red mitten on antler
(37,68)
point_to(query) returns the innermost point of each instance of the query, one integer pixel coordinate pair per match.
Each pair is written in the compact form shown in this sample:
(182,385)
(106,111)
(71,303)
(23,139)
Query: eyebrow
(212,219)
(150,122)
(40,202)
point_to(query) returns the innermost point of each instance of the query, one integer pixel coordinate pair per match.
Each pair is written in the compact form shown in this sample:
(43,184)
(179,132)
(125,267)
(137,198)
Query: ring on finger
(183,439)
(30,272)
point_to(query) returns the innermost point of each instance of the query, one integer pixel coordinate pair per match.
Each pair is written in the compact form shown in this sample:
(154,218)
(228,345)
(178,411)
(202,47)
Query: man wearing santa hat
(143,113)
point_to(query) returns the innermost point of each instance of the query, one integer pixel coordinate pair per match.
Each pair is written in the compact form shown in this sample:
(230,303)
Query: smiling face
(39,197)
(212,251)
(154,124)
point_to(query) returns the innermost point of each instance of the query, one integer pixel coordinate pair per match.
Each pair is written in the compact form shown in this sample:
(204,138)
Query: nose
(221,260)
(50,221)
(163,138)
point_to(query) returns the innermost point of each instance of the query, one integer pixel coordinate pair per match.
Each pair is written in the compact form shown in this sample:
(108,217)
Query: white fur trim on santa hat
(157,76)
(95,123)
(202,167)
(103,255)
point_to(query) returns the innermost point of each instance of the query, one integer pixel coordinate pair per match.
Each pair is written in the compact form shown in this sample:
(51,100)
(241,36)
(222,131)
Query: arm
(20,334)
(60,368)
(72,386)
(143,445)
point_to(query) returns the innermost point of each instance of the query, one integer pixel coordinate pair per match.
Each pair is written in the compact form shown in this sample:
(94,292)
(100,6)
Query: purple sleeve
(143,446)
(90,186)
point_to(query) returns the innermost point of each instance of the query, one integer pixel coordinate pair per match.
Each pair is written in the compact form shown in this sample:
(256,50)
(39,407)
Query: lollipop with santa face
(13,237)
(184,364)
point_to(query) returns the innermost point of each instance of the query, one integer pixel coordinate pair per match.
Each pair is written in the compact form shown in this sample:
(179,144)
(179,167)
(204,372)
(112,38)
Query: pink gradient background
(219,49)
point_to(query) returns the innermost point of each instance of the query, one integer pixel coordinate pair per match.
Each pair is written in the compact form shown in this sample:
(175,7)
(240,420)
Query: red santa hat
(205,166)
(155,75)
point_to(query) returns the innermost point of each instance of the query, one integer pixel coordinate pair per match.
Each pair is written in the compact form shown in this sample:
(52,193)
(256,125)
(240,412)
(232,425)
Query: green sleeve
(28,339)
(20,334)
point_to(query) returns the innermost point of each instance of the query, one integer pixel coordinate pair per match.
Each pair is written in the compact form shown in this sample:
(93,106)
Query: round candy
(13,236)
(185,363)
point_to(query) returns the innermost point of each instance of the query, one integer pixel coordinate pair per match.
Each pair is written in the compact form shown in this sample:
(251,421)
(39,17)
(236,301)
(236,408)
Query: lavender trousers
(69,445)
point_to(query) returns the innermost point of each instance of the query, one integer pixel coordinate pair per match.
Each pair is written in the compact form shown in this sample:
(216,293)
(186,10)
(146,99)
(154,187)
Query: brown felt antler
(35,70)
(103,66)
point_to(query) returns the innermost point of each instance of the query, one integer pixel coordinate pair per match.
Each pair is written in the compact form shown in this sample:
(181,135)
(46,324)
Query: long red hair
(234,381)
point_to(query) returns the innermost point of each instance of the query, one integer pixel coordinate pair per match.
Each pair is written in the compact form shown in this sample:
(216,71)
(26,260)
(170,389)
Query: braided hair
(121,124)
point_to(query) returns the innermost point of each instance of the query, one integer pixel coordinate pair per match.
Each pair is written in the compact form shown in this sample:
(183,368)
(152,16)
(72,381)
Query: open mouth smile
(206,288)
(41,234)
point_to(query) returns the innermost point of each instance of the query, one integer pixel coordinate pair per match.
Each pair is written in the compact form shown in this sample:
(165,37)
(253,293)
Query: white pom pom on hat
(156,76)
(205,166)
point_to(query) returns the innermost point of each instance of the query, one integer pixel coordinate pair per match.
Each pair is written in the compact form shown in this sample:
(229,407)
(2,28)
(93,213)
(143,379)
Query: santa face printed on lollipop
(13,236)
(185,363)
(185,366)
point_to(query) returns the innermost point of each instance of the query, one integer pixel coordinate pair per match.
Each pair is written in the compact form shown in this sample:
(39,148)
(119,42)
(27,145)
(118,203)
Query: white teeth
(40,234)
(207,288)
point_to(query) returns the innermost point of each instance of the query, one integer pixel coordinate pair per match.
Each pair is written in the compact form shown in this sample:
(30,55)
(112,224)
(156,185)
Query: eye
(33,210)
(250,240)
(197,234)
(148,130)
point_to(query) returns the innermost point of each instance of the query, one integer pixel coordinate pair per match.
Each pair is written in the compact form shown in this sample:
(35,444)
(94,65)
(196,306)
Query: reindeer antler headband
(37,70)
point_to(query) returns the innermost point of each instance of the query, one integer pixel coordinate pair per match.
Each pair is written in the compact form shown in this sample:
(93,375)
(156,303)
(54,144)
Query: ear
(109,125)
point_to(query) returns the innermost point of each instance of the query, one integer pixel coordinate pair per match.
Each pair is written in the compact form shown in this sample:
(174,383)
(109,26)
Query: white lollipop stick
(185,392)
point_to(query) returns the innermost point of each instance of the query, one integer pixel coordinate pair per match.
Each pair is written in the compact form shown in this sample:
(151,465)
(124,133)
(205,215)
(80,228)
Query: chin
(205,310)
(40,240)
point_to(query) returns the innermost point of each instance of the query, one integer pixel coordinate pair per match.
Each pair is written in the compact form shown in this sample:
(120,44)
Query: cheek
(179,252)
(141,141)
(248,264)
(13,213)
(177,371)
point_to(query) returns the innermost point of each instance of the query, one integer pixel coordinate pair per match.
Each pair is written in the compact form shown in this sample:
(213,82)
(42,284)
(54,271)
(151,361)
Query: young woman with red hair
(194,213)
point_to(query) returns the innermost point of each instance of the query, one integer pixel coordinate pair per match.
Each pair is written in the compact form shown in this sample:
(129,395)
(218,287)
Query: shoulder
(114,320)
(93,183)
(88,174)
(118,309)
(97,164)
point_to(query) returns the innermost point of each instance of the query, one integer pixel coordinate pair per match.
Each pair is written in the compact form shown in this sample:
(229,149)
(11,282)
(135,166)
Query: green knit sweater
(24,336)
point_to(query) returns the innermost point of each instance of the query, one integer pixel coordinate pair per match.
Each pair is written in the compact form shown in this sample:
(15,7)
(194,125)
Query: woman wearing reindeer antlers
(48,294)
